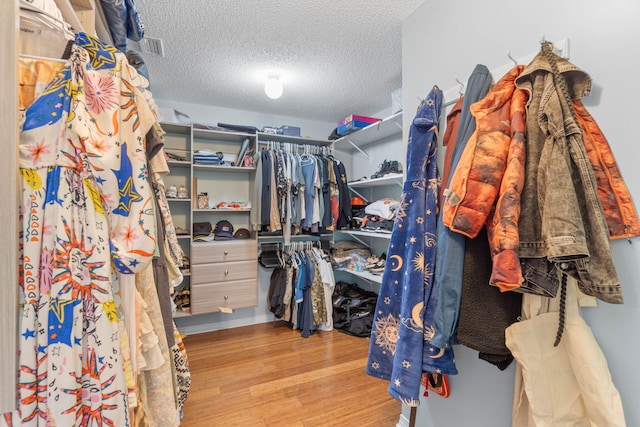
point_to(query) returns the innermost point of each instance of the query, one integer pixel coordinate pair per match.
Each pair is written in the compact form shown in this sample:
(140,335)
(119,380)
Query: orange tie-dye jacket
(619,210)
(486,186)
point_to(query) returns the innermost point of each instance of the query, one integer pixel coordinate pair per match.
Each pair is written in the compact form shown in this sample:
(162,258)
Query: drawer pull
(226,272)
(226,252)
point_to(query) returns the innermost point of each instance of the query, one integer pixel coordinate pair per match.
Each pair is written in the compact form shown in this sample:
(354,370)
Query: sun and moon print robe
(86,216)
(404,318)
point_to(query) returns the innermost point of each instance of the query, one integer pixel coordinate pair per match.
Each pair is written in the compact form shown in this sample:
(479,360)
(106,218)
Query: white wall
(445,39)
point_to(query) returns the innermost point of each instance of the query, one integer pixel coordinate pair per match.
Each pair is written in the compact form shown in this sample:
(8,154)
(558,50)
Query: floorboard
(268,375)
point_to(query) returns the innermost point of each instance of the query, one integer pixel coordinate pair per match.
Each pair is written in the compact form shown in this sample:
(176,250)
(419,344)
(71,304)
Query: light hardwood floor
(266,375)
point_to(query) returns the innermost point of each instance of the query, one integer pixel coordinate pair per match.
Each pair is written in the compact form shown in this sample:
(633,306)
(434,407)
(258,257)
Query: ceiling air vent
(152,45)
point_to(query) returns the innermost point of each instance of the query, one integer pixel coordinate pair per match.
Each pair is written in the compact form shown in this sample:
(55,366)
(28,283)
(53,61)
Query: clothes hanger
(461,91)
(35,14)
(511,58)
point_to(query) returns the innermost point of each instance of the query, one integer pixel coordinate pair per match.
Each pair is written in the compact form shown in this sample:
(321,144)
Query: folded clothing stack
(207,157)
(378,216)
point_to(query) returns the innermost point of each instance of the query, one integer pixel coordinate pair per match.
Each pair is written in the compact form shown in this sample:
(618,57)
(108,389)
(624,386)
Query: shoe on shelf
(382,168)
(378,267)
(183,193)
(186,264)
(181,231)
(395,167)
(172,192)
(186,298)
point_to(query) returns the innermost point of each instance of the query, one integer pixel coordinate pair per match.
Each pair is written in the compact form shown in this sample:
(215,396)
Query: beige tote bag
(565,386)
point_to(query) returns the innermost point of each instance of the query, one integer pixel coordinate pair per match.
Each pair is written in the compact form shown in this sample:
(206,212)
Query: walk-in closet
(417,213)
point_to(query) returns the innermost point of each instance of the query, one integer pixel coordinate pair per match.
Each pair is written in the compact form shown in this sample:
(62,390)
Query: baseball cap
(202,228)
(242,233)
(224,230)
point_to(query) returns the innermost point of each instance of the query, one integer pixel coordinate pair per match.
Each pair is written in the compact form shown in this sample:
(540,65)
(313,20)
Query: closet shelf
(377,182)
(375,278)
(179,163)
(223,168)
(213,210)
(221,135)
(367,234)
(262,137)
(176,128)
(176,199)
(180,313)
(385,128)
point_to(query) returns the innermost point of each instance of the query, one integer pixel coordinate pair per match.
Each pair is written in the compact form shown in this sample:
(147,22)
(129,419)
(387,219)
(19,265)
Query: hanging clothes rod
(294,146)
(561,48)
(43,58)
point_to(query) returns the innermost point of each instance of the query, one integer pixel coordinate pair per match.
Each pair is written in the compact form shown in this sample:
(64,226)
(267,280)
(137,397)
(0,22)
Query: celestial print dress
(86,208)
(404,320)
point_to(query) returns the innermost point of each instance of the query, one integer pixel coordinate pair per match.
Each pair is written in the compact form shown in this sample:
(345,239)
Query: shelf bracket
(398,124)
(358,148)
(359,239)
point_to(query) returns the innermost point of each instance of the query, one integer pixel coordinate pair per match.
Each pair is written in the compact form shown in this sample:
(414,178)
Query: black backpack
(353,309)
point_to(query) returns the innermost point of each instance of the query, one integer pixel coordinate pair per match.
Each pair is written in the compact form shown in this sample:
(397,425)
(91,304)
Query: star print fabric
(404,321)
(86,206)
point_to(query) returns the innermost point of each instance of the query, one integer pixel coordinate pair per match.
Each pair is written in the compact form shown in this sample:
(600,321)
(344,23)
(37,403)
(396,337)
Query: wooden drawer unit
(208,297)
(224,251)
(224,272)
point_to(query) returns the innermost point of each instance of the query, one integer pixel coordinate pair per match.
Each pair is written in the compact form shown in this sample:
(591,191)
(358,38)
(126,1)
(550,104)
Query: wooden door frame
(9,206)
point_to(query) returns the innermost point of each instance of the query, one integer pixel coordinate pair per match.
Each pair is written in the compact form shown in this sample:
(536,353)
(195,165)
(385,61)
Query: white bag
(565,386)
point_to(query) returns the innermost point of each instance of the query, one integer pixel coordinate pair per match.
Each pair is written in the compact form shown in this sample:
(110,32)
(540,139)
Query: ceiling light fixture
(273,86)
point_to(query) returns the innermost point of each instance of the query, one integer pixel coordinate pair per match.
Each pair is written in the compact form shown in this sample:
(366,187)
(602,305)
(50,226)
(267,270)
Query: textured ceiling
(336,57)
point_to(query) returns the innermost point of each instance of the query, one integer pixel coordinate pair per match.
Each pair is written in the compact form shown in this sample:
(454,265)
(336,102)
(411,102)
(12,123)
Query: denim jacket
(562,222)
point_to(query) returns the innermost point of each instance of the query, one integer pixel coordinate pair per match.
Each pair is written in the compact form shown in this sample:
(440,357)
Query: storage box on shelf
(354,122)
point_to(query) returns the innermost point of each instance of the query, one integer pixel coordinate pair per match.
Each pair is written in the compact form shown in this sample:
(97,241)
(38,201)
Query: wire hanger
(511,58)
(461,90)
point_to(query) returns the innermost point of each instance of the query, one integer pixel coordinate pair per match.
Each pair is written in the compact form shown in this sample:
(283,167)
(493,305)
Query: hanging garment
(562,219)
(449,262)
(156,392)
(449,142)
(485,311)
(486,185)
(613,193)
(403,325)
(34,76)
(568,385)
(123,21)
(86,205)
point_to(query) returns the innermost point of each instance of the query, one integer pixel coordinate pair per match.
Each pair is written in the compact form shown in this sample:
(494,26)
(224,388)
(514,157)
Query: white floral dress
(86,214)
